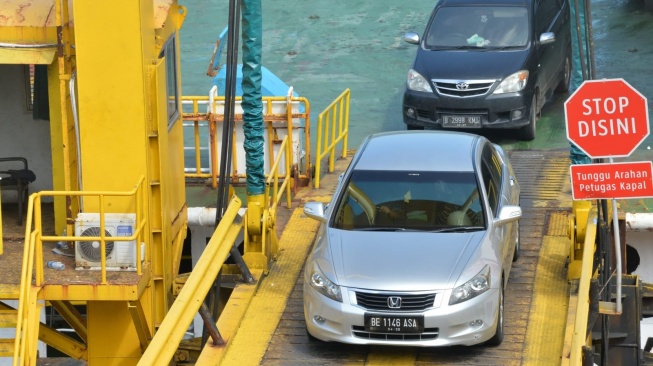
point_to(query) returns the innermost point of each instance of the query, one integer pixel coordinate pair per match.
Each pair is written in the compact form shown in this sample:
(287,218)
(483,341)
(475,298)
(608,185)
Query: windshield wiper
(504,48)
(457,229)
(446,48)
(379,228)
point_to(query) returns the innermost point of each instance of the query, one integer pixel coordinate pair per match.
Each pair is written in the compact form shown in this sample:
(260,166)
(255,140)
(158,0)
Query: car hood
(469,64)
(401,261)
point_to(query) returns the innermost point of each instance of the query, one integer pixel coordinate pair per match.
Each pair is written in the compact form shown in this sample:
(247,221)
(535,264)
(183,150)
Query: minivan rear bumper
(510,110)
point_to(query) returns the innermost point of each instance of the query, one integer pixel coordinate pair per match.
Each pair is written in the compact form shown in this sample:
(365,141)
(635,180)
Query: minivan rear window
(478,27)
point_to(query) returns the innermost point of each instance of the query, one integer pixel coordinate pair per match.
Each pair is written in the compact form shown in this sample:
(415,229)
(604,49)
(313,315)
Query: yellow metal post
(254,233)
(115,44)
(577,230)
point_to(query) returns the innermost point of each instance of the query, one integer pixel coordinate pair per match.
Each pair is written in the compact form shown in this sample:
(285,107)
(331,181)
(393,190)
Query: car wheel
(517,252)
(414,127)
(528,132)
(563,87)
(498,334)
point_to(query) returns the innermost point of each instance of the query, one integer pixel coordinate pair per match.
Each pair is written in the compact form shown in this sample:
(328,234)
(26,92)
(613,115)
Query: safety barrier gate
(332,128)
(282,116)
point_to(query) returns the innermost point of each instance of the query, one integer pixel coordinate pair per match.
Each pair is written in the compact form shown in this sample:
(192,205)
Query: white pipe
(639,221)
(617,254)
(73,102)
(27,46)
(202,216)
(617,251)
(212,93)
(205,216)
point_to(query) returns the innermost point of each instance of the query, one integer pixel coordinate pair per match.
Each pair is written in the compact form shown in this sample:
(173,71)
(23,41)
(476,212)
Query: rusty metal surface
(545,189)
(40,13)
(27,13)
(161,9)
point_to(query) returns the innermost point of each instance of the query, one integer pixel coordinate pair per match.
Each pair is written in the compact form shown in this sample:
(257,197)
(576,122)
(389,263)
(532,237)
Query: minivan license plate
(461,121)
(394,323)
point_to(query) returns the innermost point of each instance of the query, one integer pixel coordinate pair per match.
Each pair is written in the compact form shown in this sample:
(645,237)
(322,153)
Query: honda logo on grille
(462,85)
(394,302)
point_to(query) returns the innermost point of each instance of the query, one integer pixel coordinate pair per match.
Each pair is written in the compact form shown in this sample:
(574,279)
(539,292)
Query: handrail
(139,195)
(580,337)
(196,117)
(165,342)
(272,201)
(27,322)
(336,115)
(212,117)
(25,294)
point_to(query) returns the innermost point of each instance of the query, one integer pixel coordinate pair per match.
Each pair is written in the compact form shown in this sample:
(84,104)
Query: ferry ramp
(273,330)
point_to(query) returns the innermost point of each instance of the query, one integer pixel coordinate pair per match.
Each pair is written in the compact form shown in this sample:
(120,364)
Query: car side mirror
(508,213)
(315,210)
(411,37)
(547,37)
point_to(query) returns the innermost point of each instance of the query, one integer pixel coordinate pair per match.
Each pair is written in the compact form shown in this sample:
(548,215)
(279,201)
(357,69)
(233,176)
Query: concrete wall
(20,134)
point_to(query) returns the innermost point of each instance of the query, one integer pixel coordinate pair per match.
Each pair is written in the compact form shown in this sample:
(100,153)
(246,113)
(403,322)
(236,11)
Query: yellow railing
(580,336)
(167,338)
(138,194)
(27,318)
(272,200)
(24,351)
(198,120)
(332,128)
(273,122)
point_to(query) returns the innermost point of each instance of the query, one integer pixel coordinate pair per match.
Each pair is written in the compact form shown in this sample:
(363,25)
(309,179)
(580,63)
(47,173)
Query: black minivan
(488,64)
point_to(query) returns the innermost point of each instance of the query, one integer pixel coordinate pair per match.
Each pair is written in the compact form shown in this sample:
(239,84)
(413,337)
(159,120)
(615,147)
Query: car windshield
(410,200)
(478,27)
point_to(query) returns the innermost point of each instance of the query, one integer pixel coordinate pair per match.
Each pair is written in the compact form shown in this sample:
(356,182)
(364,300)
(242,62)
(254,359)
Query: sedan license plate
(394,323)
(461,121)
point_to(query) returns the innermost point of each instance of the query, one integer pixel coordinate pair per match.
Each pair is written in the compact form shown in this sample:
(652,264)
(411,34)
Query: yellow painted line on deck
(251,340)
(548,314)
(390,356)
(230,318)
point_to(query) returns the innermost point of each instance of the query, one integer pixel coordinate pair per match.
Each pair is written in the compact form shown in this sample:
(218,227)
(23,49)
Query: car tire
(414,127)
(517,252)
(563,87)
(498,334)
(527,132)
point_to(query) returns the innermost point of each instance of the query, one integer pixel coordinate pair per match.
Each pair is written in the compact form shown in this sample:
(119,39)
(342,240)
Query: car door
(551,16)
(492,174)
(560,26)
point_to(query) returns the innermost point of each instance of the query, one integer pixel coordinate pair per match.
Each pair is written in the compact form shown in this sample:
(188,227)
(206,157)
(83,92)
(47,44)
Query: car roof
(419,151)
(483,2)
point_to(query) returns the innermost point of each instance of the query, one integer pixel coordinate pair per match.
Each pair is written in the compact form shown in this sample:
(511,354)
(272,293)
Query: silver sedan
(416,245)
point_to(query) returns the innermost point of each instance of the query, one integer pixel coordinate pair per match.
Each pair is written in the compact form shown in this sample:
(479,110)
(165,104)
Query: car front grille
(427,334)
(463,88)
(379,301)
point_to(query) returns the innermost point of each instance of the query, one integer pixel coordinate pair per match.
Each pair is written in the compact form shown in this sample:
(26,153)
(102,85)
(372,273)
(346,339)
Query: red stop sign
(606,118)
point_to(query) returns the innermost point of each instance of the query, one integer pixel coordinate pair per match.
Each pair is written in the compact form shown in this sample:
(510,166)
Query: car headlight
(472,288)
(323,285)
(417,82)
(513,83)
